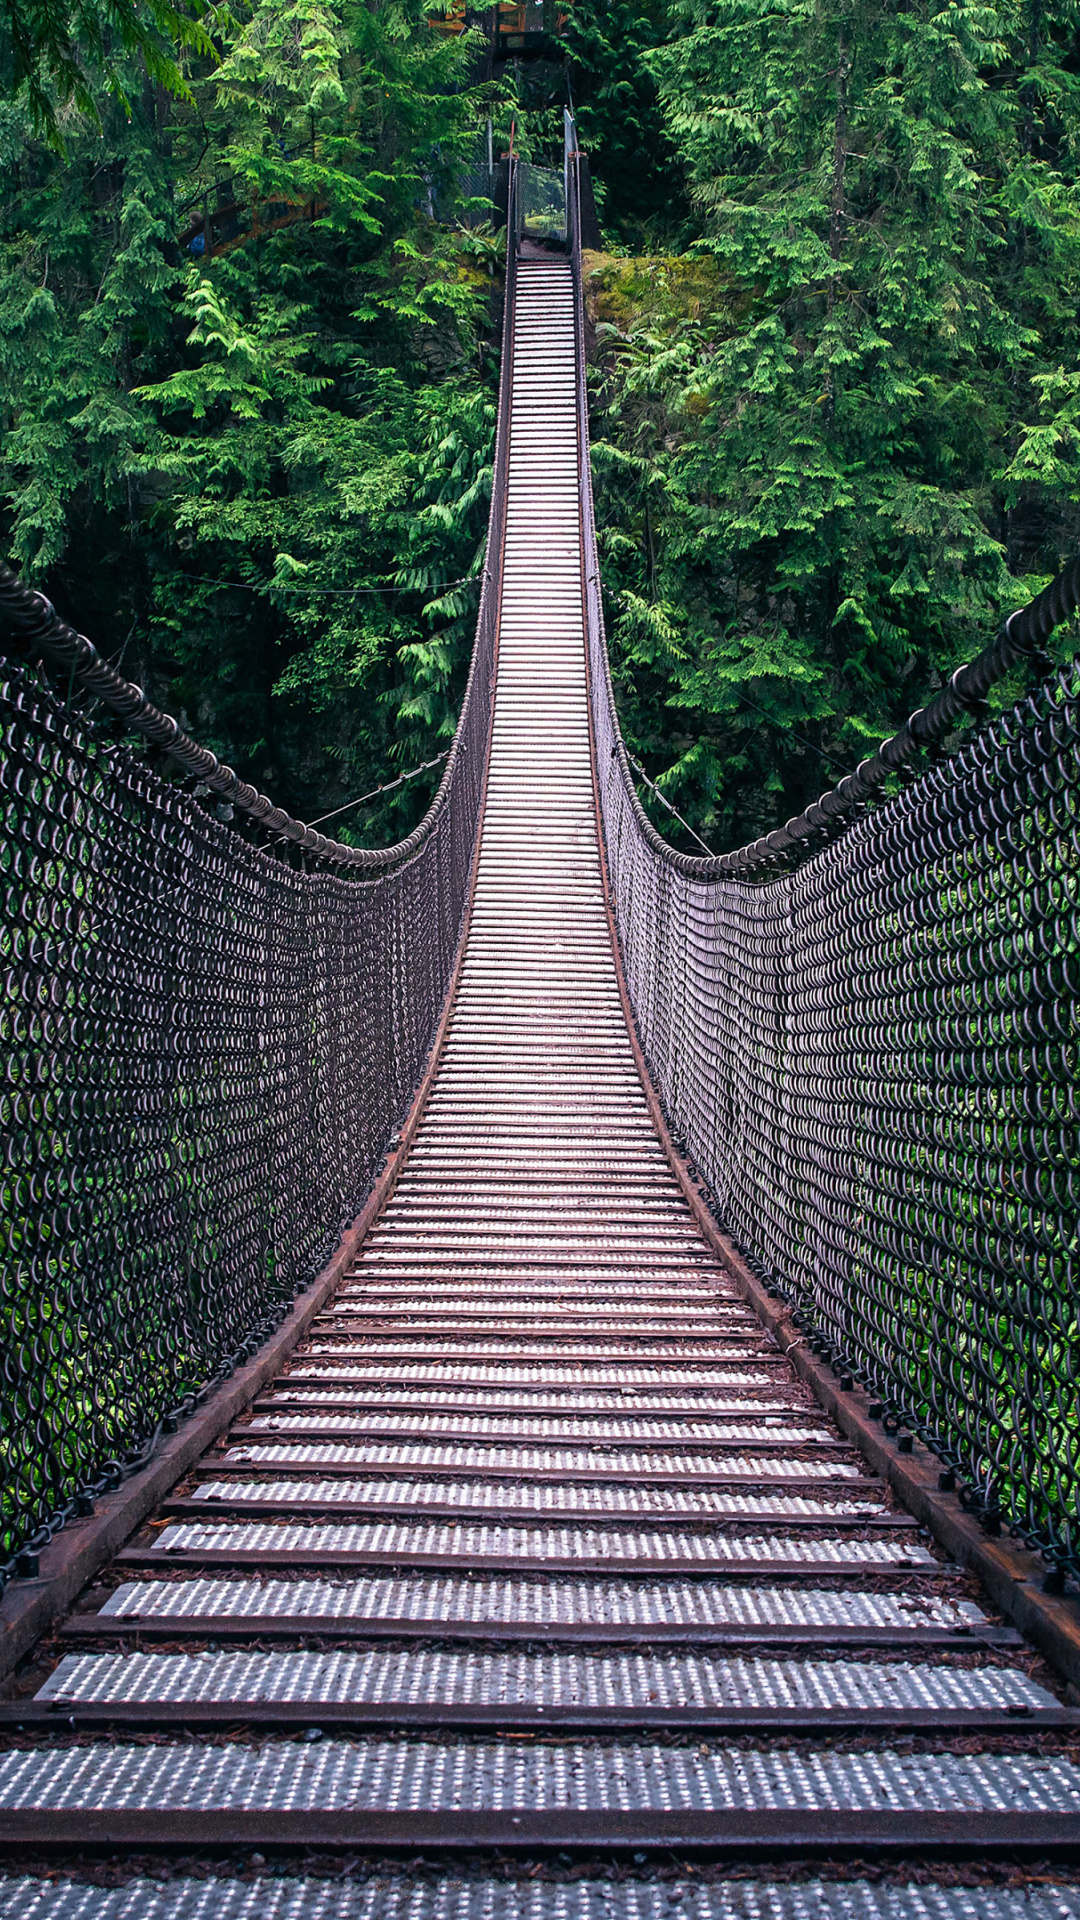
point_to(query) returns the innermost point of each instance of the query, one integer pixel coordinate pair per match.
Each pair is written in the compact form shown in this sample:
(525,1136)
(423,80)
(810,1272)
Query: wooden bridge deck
(537,1542)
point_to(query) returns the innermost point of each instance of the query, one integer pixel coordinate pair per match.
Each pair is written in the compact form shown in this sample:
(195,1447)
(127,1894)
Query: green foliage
(264,473)
(620,123)
(56,53)
(833,479)
(836,386)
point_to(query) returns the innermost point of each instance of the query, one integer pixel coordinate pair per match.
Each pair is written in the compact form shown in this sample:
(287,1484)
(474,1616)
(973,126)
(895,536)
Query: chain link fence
(872,1061)
(205,1053)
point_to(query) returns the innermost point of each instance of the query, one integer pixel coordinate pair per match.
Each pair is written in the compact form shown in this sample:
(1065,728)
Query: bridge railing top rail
(1022,637)
(868,1056)
(32,620)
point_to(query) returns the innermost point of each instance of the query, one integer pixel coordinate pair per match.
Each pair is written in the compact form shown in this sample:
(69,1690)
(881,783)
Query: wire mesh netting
(207,1046)
(206,1052)
(872,1061)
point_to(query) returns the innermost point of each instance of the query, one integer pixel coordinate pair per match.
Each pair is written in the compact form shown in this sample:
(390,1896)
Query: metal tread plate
(456,1775)
(540,1497)
(744,1417)
(298,1446)
(559,1546)
(442,1678)
(596,1602)
(617,1411)
(410,1343)
(303,1417)
(392,1896)
(597,1378)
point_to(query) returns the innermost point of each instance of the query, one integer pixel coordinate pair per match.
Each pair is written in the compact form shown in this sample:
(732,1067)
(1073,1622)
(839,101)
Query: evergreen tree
(52,52)
(619,120)
(249,393)
(866,451)
(247,369)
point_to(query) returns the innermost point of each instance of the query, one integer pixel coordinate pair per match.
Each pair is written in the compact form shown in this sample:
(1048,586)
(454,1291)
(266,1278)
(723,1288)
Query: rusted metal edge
(133,1631)
(786,1446)
(363,1716)
(513,1326)
(319,1371)
(402,1279)
(28,1607)
(417,1325)
(467,1167)
(401,1286)
(828,1484)
(837,1572)
(615,1471)
(788,1831)
(257,1472)
(515,1356)
(734,1364)
(552,1410)
(366,1508)
(332,1323)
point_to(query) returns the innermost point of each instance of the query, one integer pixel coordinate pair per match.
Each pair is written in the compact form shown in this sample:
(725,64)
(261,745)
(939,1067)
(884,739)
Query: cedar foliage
(840,438)
(836,387)
(261,475)
(53,51)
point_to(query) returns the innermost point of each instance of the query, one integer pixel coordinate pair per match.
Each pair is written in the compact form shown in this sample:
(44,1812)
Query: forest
(249,306)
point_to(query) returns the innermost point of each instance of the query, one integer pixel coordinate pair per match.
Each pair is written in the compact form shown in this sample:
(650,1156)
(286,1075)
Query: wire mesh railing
(207,1046)
(541,202)
(871,1059)
(870,1054)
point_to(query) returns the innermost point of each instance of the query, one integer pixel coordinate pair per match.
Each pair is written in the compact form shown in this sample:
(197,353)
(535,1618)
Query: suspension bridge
(540,1371)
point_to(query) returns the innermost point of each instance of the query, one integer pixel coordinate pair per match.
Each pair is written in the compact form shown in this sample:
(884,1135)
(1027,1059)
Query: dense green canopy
(248,365)
(840,428)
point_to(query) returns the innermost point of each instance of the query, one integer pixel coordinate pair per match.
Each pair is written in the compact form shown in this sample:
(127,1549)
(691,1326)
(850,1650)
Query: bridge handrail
(206,1049)
(31,618)
(869,1058)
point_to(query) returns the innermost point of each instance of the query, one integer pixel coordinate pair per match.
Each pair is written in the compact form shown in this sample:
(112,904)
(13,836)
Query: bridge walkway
(537,1543)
